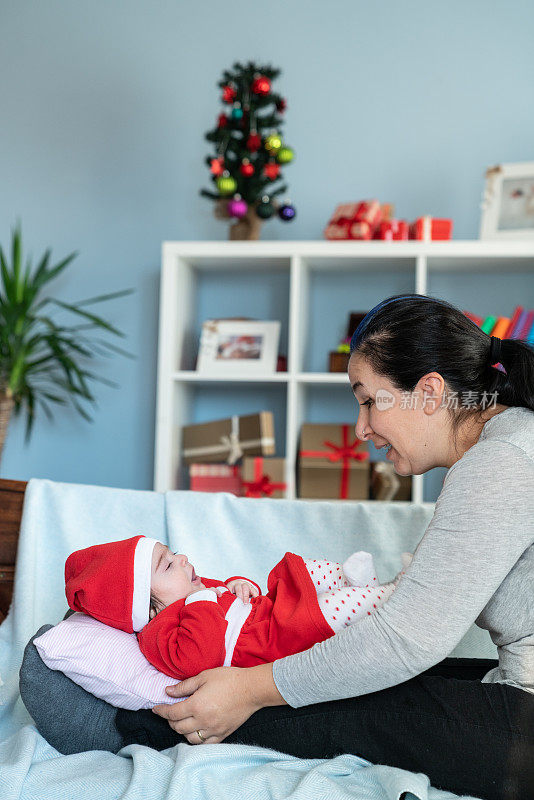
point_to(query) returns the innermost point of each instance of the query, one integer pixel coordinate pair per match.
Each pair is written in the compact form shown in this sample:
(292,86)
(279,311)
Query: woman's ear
(431,390)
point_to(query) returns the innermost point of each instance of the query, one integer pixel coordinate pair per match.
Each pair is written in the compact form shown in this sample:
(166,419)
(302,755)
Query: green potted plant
(44,361)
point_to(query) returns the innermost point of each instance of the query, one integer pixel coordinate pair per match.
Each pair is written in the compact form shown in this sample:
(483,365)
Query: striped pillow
(104,661)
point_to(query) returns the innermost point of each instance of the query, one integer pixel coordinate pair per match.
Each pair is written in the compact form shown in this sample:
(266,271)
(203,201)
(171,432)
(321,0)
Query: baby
(185,623)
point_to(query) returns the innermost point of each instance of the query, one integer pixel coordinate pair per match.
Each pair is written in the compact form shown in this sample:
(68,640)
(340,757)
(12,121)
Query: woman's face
(415,427)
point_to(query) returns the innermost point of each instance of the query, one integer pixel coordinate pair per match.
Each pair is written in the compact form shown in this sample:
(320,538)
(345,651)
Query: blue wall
(103,110)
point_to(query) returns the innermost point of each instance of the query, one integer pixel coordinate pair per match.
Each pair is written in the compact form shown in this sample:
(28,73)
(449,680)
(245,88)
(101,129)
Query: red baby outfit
(206,630)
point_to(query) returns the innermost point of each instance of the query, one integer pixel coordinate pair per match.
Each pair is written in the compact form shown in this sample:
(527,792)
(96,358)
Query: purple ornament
(237,207)
(287,212)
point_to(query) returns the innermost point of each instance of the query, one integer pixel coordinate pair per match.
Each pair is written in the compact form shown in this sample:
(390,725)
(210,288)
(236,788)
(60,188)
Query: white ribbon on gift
(232,442)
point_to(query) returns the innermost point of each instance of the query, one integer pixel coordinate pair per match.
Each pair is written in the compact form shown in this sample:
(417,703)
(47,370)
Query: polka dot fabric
(343,599)
(326,575)
(344,606)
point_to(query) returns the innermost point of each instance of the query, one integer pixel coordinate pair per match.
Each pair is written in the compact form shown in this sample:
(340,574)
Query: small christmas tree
(249,151)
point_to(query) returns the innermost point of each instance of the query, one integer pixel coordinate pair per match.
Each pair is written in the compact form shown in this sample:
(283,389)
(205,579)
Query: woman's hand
(221,700)
(243,589)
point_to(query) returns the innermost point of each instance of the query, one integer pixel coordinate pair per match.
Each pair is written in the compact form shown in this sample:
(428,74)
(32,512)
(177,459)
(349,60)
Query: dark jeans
(468,737)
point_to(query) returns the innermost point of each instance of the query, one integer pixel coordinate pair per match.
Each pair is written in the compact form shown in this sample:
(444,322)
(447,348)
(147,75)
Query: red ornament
(222,121)
(253,142)
(217,166)
(229,94)
(246,168)
(261,85)
(281,105)
(271,171)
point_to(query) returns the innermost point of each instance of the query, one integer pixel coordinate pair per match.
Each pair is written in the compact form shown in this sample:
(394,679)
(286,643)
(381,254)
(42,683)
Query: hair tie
(495,350)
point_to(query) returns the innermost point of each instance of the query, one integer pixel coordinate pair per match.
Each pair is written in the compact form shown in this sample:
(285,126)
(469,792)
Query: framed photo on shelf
(237,347)
(508,202)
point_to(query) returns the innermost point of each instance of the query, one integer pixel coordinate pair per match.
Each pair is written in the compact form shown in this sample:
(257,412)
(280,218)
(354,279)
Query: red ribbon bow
(262,485)
(345,452)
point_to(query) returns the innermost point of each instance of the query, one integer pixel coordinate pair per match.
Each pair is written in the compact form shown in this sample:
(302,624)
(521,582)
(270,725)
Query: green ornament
(265,209)
(226,184)
(285,155)
(273,143)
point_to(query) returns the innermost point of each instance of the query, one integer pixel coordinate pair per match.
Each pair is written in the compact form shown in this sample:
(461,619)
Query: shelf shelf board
(192,376)
(323,377)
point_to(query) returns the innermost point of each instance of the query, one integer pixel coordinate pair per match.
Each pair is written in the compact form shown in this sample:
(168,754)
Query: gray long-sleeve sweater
(475,563)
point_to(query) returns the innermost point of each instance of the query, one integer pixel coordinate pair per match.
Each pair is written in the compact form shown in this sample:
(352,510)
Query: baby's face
(173,577)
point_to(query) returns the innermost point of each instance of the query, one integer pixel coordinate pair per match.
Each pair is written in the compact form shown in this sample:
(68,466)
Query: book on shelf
(511,332)
(488,324)
(501,327)
(527,326)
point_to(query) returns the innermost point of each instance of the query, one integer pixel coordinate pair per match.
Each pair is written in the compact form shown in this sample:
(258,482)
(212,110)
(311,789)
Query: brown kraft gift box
(263,477)
(227,440)
(333,463)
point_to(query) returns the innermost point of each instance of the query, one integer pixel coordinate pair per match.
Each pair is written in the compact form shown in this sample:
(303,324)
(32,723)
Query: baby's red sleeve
(241,578)
(185,642)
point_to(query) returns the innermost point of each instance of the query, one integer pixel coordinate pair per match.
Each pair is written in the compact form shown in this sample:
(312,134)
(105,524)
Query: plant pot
(246,228)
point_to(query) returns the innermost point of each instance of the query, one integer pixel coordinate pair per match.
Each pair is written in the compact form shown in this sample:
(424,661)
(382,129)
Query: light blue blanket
(225,535)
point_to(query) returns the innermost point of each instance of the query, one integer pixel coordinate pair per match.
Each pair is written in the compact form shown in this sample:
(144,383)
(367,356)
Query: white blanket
(223,535)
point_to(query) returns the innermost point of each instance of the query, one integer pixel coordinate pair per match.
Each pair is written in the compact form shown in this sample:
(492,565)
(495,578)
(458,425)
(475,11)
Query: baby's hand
(243,589)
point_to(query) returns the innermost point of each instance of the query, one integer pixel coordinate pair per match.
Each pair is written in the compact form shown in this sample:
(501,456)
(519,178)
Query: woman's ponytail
(515,387)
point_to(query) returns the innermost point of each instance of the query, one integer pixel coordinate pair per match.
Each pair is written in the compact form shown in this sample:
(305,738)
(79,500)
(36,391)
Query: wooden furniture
(310,286)
(11,499)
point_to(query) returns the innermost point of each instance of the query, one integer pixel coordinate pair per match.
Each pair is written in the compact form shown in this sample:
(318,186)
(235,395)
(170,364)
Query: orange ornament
(271,171)
(217,166)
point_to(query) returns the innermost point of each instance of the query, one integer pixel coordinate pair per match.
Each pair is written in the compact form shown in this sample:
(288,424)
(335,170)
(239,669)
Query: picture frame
(508,202)
(238,347)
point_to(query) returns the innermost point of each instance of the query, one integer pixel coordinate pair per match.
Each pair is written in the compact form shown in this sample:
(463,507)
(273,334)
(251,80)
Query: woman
(428,389)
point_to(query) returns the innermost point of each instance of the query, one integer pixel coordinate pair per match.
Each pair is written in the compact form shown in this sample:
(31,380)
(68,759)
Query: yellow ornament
(285,155)
(273,143)
(226,184)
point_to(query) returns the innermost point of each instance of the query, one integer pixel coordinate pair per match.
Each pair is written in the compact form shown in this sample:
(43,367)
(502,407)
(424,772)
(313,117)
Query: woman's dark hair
(406,336)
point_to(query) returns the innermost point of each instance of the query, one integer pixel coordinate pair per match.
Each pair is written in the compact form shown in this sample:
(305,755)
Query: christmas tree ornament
(222,121)
(261,85)
(237,207)
(237,111)
(226,184)
(281,106)
(229,94)
(287,212)
(217,166)
(253,141)
(271,171)
(246,168)
(273,143)
(265,208)
(285,155)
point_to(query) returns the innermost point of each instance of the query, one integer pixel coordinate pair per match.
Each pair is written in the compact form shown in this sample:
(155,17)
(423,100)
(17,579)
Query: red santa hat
(111,582)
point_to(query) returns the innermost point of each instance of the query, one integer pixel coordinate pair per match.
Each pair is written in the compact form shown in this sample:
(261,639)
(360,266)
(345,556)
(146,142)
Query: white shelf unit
(470,270)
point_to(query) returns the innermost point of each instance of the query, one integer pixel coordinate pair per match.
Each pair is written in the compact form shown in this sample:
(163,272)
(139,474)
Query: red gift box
(430,229)
(369,211)
(215,478)
(392,230)
(360,230)
(357,220)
